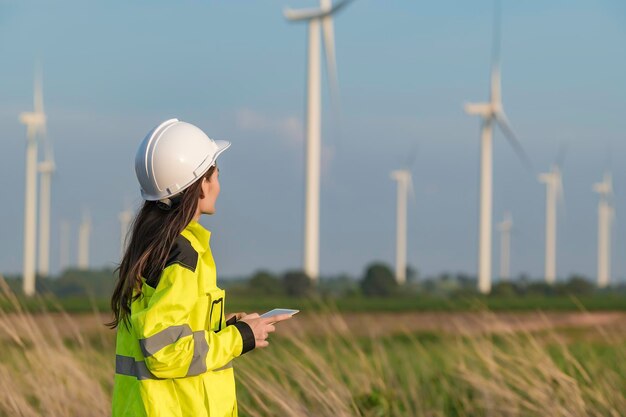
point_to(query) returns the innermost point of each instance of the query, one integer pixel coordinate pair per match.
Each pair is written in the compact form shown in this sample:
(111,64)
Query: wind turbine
(84,232)
(315,17)
(605,219)
(554,190)
(35,122)
(405,183)
(125,217)
(64,245)
(505,246)
(491,113)
(46,169)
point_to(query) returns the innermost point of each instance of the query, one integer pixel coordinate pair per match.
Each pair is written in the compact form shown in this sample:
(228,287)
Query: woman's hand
(263,326)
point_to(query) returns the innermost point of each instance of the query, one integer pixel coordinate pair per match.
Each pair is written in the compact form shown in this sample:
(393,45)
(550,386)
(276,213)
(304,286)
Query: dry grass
(420,364)
(45,374)
(488,367)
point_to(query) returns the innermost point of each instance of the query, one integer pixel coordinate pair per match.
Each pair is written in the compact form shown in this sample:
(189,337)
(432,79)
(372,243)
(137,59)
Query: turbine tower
(605,220)
(46,169)
(405,183)
(35,122)
(64,245)
(554,190)
(125,218)
(315,18)
(505,246)
(491,113)
(84,232)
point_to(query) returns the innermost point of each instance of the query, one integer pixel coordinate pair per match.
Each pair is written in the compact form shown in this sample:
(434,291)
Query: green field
(406,355)
(249,303)
(362,361)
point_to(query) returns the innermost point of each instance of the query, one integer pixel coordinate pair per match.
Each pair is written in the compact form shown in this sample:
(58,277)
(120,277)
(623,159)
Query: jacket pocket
(216,320)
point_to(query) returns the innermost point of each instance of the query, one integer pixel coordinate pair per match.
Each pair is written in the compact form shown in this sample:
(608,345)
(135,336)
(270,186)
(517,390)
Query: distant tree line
(377,280)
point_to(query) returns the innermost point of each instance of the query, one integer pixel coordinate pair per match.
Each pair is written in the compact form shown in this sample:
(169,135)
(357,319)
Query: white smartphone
(278,311)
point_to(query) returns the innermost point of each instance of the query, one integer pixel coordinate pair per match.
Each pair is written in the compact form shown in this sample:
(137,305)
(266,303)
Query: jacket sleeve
(170,348)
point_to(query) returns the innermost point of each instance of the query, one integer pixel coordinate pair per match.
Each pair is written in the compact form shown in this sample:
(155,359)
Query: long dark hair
(153,232)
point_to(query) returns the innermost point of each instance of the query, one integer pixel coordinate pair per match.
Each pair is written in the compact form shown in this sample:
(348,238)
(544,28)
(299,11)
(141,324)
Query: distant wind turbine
(315,17)
(84,233)
(46,169)
(405,185)
(64,245)
(605,220)
(554,190)
(125,218)
(505,246)
(490,112)
(35,122)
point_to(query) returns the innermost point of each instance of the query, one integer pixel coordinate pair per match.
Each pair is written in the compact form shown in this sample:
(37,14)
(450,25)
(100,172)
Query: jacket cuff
(247,336)
(231,321)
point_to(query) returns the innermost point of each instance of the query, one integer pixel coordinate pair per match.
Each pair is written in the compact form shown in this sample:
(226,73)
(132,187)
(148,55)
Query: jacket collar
(197,235)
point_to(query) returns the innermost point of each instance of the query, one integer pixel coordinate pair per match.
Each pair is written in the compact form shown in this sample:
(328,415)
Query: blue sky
(112,70)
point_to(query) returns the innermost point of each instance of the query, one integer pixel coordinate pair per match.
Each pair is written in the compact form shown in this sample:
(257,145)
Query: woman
(174,346)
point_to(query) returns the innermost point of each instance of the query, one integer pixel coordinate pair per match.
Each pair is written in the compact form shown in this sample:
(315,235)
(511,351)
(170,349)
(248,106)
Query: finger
(275,319)
(261,344)
(252,316)
(270,328)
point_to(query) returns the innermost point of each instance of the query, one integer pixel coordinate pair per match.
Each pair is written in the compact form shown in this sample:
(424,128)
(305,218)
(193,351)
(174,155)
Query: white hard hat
(173,156)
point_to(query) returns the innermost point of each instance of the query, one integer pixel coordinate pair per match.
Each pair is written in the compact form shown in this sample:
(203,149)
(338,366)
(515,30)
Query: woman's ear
(202,188)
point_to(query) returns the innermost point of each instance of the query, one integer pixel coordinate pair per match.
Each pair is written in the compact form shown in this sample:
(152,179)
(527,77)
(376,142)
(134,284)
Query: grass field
(597,302)
(333,363)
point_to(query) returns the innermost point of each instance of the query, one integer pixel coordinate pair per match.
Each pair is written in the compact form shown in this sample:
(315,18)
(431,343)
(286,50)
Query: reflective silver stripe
(126,365)
(227,366)
(200,350)
(151,345)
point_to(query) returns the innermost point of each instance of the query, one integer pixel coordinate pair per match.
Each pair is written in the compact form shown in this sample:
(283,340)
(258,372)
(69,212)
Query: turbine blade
(411,157)
(38,102)
(48,152)
(560,157)
(557,182)
(496,90)
(496,94)
(328,34)
(302,14)
(307,14)
(559,189)
(38,93)
(338,6)
(411,187)
(481,109)
(503,122)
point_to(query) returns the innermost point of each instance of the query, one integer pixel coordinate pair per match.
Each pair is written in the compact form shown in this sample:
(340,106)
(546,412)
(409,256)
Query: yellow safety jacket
(175,358)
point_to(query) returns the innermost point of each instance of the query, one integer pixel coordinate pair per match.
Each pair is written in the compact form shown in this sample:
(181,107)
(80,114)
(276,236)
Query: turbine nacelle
(325,10)
(33,119)
(404,177)
(555,180)
(485,110)
(604,188)
(46,167)
(506,224)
